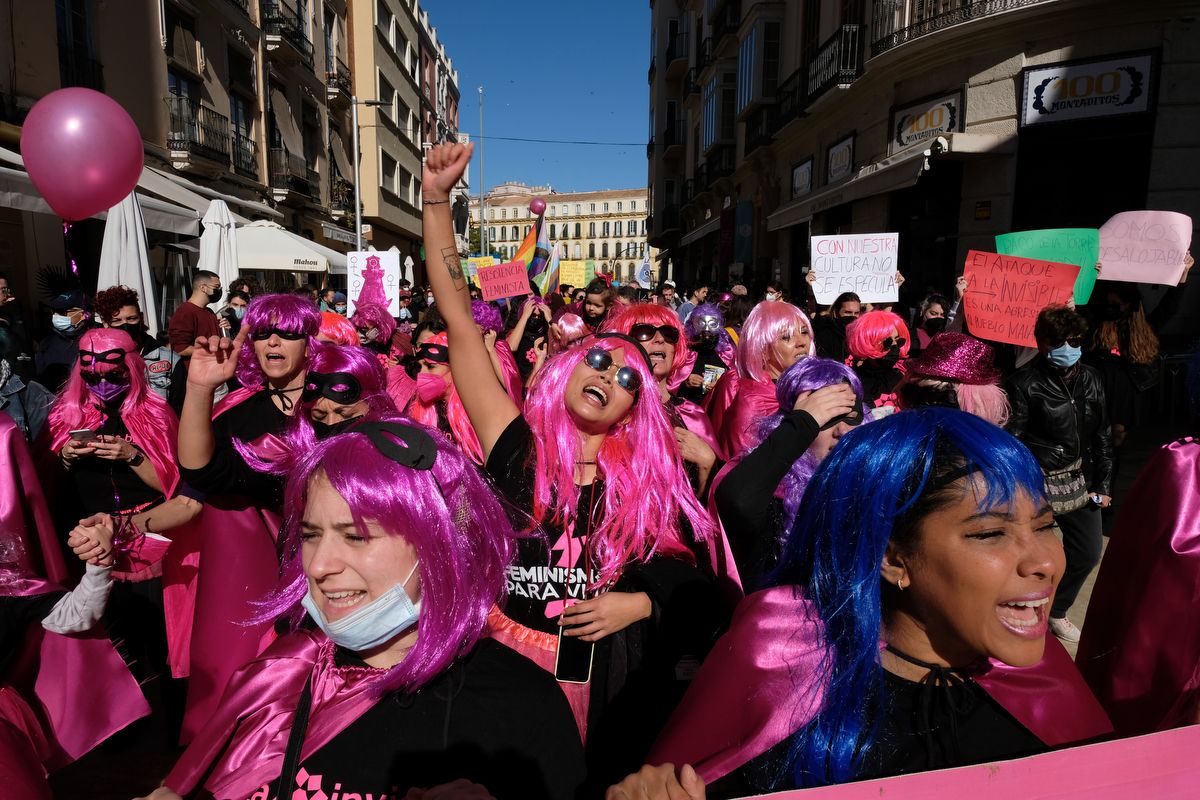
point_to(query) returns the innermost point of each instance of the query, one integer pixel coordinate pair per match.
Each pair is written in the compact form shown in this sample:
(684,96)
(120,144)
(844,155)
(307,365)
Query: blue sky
(569,70)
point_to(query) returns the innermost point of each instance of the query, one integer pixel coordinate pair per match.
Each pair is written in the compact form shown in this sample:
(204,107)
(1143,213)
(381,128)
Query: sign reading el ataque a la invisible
(1005,294)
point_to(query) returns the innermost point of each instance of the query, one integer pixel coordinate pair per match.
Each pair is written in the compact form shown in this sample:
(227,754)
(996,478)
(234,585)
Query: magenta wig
(646,491)
(571,327)
(865,335)
(373,315)
(287,312)
(151,423)
(461,429)
(487,316)
(656,315)
(767,324)
(462,535)
(337,329)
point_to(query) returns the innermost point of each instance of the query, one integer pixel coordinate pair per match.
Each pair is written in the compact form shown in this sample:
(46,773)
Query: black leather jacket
(1061,420)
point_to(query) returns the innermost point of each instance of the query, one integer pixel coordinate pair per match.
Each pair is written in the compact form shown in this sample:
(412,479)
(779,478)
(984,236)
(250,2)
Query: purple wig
(487,316)
(767,324)
(450,515)
(806,375)
(646,491)
(287,312)
(373,315)
(692,326)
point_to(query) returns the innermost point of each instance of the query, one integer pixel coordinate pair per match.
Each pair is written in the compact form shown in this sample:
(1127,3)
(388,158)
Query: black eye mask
(340,387)
(437,353)
(88,358)
(263,335)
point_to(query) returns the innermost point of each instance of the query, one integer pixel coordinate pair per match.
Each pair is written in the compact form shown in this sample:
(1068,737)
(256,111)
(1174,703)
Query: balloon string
(67,247)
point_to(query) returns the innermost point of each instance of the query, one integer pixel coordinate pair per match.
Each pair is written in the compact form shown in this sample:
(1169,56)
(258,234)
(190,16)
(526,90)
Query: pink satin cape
(754,401)
(1140,650)
(401,388)
(721,563)
(68,674)
(241,746)
(237,565)
(696,421)
(760,684)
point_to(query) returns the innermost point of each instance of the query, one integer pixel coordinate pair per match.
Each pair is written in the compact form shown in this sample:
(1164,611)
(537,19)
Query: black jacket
(1062,420)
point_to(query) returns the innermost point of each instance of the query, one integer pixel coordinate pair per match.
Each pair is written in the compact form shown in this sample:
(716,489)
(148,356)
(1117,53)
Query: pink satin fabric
(180,567)
(242,744)
(754,401)
(401,388)
(27,542)
(721,563)
(23,749)
(719,400)
(696,421)
(512,376)
(1140,650)
(761,683)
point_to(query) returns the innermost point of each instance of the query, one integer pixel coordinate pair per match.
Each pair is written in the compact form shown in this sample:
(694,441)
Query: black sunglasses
(112,376)
(601,360)
(291,336)
(1073,341)
(644,332)
(898,341)
(340,387)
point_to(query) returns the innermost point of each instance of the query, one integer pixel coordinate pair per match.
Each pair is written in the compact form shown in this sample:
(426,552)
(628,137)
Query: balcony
(838,62)
(290,174)
(677,56)
(283,26)
(650,148)
(78,69)
(898,21)
(669,219)
(689,192)
(791,95)
(341,199)
(690,83)
(650,72)
(720,163)
(759,128)
(704,56)
(337,79)
(726,23)
(674,139)
(196,131)
(245,156)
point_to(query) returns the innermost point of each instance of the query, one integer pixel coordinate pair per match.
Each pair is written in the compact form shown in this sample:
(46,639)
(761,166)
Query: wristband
(434,202)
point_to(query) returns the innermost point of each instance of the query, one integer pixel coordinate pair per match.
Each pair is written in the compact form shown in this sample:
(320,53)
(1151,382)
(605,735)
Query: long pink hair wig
(656,315)
(450,515)
(151,423)
(287,312)
(461,429)
(864,337)
(571,327)
(767,324)
(646,491)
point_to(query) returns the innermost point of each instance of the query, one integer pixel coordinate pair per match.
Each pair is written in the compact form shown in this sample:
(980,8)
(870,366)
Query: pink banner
(504,280)
(1156,766)
(1145,246)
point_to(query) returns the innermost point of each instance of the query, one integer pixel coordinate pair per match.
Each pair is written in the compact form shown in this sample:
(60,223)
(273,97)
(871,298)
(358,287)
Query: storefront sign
(925,120)
(802,179)
(1086,89)
(863,263)
(840,161)
(1078,246)
(504,280)
(1145,246)
(1006,293)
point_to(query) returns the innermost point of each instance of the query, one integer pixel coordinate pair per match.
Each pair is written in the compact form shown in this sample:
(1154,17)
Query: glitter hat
(955,357)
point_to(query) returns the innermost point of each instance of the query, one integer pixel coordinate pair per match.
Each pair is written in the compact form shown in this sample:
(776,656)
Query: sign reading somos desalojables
(863,263)
(1086,89)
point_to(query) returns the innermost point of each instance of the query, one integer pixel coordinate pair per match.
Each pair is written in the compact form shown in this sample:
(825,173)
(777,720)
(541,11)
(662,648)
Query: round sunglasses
(601,360)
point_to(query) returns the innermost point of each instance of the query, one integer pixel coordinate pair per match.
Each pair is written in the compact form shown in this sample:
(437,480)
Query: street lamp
(628,251)
(355,102)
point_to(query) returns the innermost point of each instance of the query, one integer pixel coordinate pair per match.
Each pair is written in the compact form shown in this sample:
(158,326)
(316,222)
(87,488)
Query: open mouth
(1025,617)
(275,357)
(657,357)
(597,395)
(340,601)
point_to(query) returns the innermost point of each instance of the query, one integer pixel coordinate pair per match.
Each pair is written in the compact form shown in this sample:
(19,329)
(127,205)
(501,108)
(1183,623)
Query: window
(387,172)
(491,234)
(606,208)
(527,229)
(633,205)
(592,250)
(564,210)
(387,97)
(591,230)
(617,251)
(503,234)
(592,210)
(577,230)
(606,230)
(604,250)
(504,213)
(404,184)
(631,228)
(719,110)
(553,235)
(404,118)
(515,233)
(619,204)
(643,227)
(491,213)
(641,249)
(383,19)
(578,251)
(758,64)
(746,64)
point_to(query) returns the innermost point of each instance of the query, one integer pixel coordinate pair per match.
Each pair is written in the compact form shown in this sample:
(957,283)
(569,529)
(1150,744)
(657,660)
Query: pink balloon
(82,150)
(537,206)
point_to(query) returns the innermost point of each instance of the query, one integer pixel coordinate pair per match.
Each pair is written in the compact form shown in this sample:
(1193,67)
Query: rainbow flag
(547,282)
(541,250)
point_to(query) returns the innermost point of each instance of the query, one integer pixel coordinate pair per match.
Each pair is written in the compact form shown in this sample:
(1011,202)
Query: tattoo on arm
(453,264)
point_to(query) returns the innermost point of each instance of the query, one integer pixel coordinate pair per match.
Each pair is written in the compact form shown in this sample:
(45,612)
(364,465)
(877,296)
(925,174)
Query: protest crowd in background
(523,539)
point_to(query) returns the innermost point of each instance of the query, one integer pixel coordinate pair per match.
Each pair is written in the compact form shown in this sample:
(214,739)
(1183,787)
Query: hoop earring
(900,584)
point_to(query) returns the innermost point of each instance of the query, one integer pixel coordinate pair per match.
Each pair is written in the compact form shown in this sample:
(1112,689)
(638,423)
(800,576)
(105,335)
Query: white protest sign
(863,263)
(1145,247)
(373,277)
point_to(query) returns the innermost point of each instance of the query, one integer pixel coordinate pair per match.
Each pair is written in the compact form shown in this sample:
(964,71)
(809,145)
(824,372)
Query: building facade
(947,121)
(607,227)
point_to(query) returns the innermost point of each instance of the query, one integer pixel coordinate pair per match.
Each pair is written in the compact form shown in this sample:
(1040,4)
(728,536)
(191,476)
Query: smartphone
(573,660)
(83,435)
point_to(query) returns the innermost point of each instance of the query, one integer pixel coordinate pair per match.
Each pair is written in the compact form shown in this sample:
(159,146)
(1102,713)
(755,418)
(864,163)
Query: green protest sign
(1079,246)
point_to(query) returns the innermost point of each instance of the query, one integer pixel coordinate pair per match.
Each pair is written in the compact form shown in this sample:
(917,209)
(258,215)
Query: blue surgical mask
(61,322)
(239,311)
(340,308)
(1064,356)
(376,623)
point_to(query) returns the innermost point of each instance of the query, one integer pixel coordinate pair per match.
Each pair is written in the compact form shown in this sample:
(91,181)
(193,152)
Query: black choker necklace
(286,403)
(584,463)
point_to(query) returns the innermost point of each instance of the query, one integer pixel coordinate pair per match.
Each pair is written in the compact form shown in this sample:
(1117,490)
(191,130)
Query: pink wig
(337,329)
(327,358)
(865,335)
(450,515)
(570,327)
(656,315)
(646,490)
(373,315)
(461,429)
(987,400)
(150,421)
(487,316)
(764,326)
(287,312)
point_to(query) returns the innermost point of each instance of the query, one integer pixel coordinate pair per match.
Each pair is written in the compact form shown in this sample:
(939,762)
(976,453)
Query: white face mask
(772,296)
(376,623)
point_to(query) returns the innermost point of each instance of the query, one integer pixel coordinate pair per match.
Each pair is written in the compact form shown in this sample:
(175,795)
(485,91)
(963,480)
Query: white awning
(267,246)
(696,234)
(212,194)
(286,121)
(164,186)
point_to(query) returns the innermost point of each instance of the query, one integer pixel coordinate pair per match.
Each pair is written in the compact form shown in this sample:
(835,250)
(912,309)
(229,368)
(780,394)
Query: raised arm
(488,405)
(214,361)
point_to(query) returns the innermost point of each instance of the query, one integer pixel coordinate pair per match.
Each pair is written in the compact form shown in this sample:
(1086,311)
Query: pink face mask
(431,387)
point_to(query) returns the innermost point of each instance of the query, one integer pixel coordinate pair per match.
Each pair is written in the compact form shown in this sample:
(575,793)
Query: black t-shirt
(705,357)
(547,570)
(106,486)
(494,718)
(227,473)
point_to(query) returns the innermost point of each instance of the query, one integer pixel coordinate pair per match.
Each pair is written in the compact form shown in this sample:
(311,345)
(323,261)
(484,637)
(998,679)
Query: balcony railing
(675,135)
(720,163)
(245,156)
(197,129)
(727,21)
(690,83)
(279,20)
(291,173)
(791,94)
(900,21)
(689,192)
(838,62)
(759,128)
(337,76)
(704,56)
(341,196)
(677,48)
(77,69)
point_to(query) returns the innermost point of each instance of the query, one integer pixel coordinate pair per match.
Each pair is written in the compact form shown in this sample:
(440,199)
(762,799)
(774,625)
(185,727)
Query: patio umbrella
(125,257)
(218,243)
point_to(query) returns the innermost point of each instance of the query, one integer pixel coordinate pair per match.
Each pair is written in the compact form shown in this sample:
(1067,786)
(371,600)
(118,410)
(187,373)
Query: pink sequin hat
(956,357)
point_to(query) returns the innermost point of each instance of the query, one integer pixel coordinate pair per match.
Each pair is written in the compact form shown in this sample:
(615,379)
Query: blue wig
(874,488)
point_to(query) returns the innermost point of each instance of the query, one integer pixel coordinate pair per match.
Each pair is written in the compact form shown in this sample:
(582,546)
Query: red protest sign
(503,280)
(1005,294)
